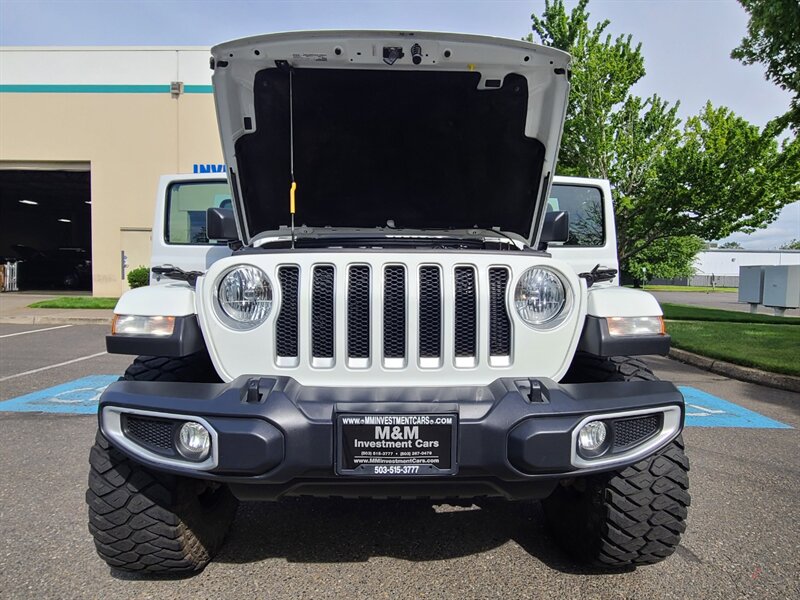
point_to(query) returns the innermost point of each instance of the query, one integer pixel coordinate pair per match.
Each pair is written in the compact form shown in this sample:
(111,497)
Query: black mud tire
(587,368)
(150,522)
(195,367)
(625,518)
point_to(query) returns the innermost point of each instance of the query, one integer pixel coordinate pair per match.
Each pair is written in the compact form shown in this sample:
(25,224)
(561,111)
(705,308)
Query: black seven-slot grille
(466,312)
(322,307)
(499,323)
(394,312)
(430,312)
(358,293)
(287,324)
(430,296)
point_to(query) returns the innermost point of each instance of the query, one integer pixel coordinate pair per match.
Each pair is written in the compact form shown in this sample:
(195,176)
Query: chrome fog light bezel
(112,427)
(671,425)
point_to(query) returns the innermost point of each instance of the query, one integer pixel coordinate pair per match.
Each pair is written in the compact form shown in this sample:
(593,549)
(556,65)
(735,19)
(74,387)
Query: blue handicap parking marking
(706,410)
(81,395)
(75,397)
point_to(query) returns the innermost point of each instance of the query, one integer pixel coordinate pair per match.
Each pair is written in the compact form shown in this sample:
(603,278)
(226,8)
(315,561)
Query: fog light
(592,436)
(194,441)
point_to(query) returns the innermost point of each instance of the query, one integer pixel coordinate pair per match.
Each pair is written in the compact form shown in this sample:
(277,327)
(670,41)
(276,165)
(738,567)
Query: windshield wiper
(496,232)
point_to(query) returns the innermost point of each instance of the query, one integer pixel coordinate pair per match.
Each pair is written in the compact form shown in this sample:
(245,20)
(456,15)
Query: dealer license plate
(399,445)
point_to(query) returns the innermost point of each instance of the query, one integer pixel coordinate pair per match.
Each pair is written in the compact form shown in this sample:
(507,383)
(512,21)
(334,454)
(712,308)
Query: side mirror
(556,226)
(221,224)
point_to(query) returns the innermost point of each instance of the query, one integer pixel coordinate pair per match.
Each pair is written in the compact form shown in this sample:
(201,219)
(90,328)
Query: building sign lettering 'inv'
(208,168)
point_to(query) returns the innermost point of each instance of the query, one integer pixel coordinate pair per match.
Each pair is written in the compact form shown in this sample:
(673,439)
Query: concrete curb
(774,380)
(55,320)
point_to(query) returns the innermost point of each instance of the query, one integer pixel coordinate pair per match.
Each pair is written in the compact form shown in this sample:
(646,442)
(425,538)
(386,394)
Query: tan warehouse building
(85,134)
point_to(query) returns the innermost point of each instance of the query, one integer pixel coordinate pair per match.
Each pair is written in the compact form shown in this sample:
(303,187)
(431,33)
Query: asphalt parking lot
(742,539)
(723,300)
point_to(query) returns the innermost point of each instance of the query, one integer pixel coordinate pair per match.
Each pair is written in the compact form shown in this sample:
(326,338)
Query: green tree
(773,39)
(665,259)
(609,132)
(730,245)
(792,245)
(715,176)
(604,69)
(724,176)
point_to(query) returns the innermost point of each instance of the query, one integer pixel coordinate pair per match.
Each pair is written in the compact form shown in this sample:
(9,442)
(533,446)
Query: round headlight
(245,296)
(540,296)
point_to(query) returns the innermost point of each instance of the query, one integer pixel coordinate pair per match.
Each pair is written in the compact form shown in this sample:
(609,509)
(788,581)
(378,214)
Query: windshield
(187,203)
(585,207)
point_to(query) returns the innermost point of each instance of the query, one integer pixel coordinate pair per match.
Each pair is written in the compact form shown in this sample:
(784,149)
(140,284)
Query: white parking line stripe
(34,331)
(61,364)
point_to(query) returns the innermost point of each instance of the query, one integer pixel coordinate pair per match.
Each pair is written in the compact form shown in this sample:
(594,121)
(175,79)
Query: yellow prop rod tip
(291,197)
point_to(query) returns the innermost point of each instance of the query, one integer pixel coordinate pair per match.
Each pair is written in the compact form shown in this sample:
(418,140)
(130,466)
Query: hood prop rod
(293,188)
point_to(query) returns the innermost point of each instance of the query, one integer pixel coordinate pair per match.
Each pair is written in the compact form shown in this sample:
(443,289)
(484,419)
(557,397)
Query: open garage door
(46,227)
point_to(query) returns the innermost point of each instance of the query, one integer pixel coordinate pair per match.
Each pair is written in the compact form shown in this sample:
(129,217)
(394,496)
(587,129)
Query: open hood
(409,130)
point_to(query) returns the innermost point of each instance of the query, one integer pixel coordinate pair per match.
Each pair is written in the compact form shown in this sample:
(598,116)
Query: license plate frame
(409,454)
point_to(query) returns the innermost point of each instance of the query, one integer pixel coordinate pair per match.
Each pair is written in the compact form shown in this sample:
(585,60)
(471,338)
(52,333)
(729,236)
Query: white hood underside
(467,137)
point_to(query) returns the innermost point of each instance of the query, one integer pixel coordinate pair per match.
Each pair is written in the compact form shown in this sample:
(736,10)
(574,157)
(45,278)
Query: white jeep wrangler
(389,296)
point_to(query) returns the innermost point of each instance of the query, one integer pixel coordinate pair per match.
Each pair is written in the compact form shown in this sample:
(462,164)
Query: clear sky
(686,43)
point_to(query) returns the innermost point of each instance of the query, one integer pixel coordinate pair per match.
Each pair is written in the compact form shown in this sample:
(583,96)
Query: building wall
(727,262)
(112,109)
(721,267)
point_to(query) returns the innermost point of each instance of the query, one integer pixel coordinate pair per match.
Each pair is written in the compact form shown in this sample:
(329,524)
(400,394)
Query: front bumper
(515,437)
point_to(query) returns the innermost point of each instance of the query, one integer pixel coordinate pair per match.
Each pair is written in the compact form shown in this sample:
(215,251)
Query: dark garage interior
(46,226)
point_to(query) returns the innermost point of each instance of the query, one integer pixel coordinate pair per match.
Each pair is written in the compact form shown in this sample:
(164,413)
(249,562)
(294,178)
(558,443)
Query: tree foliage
(604,69)
(673,185)
(665,259)
(773,39)
(730,245)
(791,245)
(722,177)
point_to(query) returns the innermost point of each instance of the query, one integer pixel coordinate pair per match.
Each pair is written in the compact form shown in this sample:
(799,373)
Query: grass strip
(683,312)
(773,348)
(76,302)
(688,288)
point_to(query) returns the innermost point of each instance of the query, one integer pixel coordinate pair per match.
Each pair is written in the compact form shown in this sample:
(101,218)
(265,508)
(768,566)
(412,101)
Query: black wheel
(625,518)
(629,517)
(195,368)
(147,521)
(587,368)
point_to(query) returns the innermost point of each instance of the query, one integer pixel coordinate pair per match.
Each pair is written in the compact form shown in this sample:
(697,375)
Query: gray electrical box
(751,284)
(782,286)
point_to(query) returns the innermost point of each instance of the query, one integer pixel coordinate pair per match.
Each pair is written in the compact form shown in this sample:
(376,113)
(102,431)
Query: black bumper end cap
(186,339)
